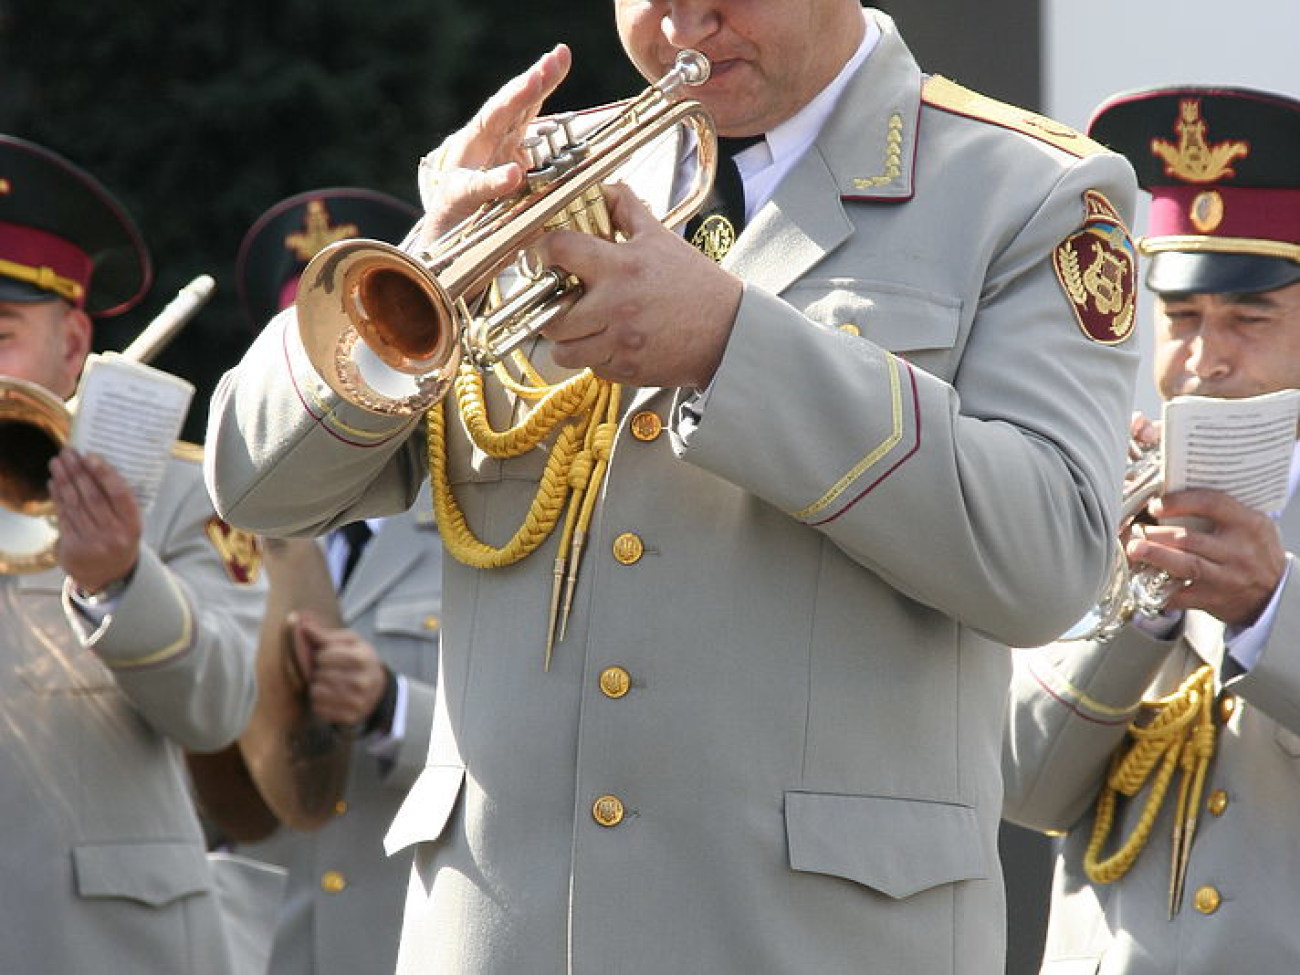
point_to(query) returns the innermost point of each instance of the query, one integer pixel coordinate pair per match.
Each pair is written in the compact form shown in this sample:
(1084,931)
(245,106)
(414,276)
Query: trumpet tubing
(386,329)
(1128,590)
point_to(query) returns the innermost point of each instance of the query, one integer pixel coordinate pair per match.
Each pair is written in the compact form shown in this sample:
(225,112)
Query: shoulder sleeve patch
(952,97)
(1097,268)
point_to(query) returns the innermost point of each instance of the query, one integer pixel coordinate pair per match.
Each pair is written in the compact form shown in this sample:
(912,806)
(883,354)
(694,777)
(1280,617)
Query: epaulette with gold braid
(184,450)
(952,97)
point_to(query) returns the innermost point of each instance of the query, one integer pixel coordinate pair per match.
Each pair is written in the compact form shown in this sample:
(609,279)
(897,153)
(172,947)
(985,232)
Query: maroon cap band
(45,261)
(1225,211)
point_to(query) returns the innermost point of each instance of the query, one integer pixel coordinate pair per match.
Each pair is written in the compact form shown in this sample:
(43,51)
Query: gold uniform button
(340,807)
(1208,900)
(628,548)
(607,810)
(332,882)
(1227,707)
(615,682)
(646,425)
(1217,802)
(431,622)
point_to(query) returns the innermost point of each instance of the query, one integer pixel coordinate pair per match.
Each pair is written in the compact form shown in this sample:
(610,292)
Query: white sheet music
(1240,446)
(130,414)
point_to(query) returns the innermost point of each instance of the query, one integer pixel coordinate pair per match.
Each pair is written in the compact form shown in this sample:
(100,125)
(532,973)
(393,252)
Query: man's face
(770,57)
(1229,346)
(43,342)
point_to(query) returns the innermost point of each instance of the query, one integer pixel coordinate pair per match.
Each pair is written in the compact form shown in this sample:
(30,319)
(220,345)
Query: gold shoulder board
(952,97)
(184,450)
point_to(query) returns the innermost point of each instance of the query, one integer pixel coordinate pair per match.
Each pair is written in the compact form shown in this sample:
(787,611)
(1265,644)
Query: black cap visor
(1207,272)
(21,292)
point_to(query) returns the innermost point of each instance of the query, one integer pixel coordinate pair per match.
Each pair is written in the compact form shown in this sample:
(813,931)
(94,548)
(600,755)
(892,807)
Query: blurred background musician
(1222,662)
(343,910)
(136,644)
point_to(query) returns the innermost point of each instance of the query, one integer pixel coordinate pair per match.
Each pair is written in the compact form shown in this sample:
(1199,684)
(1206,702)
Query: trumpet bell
(34,426)
(400,350)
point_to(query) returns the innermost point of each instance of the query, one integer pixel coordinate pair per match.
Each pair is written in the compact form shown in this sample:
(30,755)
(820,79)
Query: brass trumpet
(35,425)
(1129,590)
(387,329)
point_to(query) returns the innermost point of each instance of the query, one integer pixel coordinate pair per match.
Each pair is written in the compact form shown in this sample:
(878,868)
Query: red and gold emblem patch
(1097,267)
(240,551)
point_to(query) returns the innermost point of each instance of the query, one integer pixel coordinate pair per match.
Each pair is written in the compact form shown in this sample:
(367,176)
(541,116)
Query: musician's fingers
(628,212)
(1143,431)
(88,493)
(505,115)
(304,657)
(493,135)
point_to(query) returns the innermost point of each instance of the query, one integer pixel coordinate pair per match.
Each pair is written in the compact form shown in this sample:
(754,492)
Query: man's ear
(76,345)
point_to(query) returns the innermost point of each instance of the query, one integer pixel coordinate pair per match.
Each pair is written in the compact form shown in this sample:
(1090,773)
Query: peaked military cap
(62,234)
(1222,165)
(283,239)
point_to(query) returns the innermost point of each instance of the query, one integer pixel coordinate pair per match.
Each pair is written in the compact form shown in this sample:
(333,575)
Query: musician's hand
(99,520)
(654,310)
(483,160)
(1232,564)
(345,677)
(1144,431)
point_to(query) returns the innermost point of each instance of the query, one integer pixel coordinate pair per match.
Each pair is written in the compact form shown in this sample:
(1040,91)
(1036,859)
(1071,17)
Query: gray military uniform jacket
(343,910)
(803,773)
(103,855)
(1070,706)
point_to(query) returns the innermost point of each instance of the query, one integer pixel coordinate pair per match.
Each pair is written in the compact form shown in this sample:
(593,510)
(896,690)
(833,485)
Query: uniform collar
(864,151)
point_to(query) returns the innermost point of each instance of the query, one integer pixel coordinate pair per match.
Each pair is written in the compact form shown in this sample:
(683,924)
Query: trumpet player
(1169,754)
(135,644)
(743,712)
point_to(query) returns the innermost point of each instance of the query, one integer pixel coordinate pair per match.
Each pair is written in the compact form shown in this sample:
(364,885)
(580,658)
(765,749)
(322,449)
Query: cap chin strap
(44,278)
(1220,245)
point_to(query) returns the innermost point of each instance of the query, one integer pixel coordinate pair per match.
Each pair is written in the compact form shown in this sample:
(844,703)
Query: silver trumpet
(1129,590)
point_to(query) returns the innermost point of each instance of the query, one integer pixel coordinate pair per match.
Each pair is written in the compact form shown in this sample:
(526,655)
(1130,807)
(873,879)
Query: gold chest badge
(714,236)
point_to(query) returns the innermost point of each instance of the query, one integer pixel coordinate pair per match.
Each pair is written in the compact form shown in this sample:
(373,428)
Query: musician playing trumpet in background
(136,644)
(825,462)
(1170,754)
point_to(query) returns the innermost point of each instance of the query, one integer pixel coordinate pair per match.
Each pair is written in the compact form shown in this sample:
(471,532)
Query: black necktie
(357,535)
(715,228)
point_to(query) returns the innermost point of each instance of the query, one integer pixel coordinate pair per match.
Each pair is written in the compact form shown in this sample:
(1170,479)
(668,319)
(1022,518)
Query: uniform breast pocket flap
(408,617)
(896,846)
(151,873)
(895,317)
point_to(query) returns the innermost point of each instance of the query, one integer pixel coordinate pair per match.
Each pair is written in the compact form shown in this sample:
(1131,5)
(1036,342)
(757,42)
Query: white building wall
(1092,50)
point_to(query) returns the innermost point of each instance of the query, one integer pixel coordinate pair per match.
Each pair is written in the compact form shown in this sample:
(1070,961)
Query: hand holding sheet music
(130,414)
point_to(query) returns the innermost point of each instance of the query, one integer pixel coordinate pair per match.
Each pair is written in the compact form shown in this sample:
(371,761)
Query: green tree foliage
(200,115)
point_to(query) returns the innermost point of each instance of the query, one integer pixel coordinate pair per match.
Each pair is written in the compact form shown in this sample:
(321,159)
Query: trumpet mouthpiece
(692,66)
